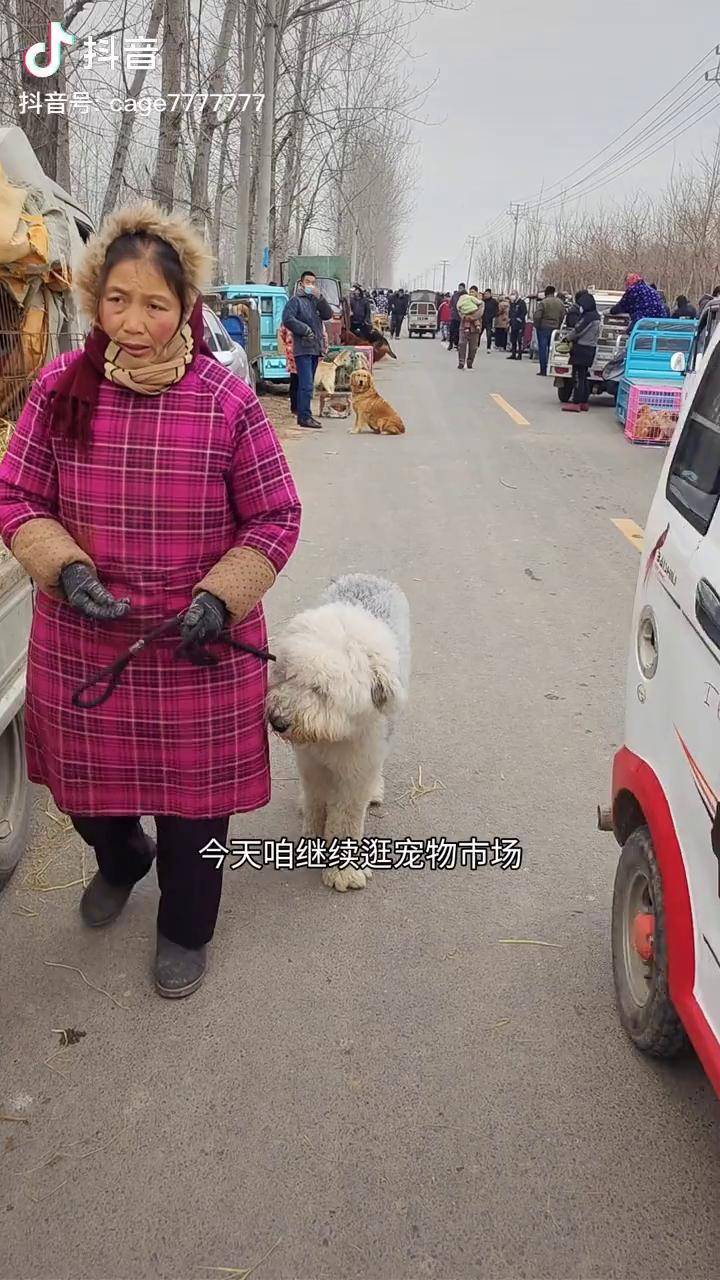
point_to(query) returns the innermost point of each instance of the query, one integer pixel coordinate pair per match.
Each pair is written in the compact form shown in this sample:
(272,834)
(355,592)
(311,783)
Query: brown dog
(380,345)
(370,408)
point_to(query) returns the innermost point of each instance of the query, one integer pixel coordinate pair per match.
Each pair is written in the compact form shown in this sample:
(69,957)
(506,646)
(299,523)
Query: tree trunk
(262,213)
(41,130)
(127,120)
(248,271)
(242,207)
(62,166)
(199,199)
(170,120)
(219,193)
(292,158)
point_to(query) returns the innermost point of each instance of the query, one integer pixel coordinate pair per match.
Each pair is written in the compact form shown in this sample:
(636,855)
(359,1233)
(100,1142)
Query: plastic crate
(648,410)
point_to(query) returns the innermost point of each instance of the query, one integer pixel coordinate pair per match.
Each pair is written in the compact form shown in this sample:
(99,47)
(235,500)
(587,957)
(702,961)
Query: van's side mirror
(678,363)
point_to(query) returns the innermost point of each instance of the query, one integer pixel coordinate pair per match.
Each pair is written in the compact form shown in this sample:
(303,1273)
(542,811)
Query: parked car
(228,353)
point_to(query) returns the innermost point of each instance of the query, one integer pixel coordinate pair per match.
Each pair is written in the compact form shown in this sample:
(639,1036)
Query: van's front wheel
(639,951)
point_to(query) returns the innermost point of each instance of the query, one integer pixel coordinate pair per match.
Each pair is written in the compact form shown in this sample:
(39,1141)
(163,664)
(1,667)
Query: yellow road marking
(513,413)
(632,532)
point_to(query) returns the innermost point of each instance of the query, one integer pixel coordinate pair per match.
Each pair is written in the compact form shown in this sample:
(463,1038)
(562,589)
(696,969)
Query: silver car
(229,353)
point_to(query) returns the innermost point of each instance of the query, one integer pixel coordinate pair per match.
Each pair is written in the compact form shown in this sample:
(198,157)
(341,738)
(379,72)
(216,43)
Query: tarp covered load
(36,308)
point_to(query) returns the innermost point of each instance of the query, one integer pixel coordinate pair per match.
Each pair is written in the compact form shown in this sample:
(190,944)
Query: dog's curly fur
(341,675)
(145,216)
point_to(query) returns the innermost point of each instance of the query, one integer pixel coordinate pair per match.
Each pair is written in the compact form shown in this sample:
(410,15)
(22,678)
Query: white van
(666,777)
(422,313)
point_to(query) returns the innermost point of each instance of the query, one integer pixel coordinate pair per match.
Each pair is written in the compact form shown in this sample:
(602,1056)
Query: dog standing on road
(341,675)
(371,410)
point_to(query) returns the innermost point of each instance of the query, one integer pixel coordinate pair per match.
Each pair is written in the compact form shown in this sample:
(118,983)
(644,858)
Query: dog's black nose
(279,725)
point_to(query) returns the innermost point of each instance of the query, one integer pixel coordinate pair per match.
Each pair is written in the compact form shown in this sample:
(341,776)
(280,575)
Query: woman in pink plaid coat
(144,480)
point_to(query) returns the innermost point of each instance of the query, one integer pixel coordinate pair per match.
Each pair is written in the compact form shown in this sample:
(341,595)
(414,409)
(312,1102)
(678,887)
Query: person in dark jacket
(492,307)
(455,317)
(360,313)
(518,316)
(549,315)
(303,316)
(639,300)
(584,337)
(398,308)
(684,310)
(573,311)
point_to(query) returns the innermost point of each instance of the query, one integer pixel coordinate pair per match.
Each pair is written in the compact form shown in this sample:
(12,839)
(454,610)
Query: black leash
(194,653)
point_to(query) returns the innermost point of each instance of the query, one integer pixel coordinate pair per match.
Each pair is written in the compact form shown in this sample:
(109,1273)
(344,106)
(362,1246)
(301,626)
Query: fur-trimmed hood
(196,259)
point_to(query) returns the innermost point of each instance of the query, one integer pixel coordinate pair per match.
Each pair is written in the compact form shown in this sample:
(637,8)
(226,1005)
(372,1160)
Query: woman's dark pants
(582,362)
(293,392)
(190,885)
(516,341)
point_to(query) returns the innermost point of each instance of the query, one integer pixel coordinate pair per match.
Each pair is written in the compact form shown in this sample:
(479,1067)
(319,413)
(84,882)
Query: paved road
(375,1083)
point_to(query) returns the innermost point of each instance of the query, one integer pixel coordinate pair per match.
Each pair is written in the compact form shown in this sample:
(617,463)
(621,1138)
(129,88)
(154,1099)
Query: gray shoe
(102,902)
(178,970)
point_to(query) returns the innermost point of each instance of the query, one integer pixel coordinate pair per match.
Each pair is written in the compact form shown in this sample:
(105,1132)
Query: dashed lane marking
(632,532)
(512,413)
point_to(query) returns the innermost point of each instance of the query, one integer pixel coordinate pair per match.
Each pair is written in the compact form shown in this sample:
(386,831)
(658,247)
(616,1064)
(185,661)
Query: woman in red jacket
(445,316)
(144,480)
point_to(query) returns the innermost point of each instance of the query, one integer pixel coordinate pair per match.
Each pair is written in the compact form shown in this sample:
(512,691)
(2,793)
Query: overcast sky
(526,91)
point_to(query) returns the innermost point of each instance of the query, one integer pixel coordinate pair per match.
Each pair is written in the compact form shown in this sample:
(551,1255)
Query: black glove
(86,593)
(204,620)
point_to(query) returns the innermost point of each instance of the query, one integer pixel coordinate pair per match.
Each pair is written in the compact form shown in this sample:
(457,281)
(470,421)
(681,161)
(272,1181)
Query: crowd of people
(466,315)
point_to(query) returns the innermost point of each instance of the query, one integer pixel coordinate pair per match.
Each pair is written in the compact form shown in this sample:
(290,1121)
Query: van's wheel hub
(639,933)
(643,936)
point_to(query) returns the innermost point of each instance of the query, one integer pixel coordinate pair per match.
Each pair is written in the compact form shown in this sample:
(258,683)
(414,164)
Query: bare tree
(168,143)
(127,120)
(262,213)
(209,119)
(244,178)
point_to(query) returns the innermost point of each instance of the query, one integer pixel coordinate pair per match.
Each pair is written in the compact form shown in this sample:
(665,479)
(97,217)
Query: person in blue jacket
(640,300)
(304,315)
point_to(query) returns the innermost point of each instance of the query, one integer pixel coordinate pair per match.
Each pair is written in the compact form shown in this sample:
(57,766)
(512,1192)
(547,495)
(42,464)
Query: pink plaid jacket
(168,485)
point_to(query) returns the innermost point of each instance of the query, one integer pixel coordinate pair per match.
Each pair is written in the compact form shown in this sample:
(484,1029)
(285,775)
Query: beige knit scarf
(150,377)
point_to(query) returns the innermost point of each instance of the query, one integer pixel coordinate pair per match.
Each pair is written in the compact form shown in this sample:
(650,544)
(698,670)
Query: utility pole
(470,262)
(515,209)
(443,264)
(716,76)
(261,247)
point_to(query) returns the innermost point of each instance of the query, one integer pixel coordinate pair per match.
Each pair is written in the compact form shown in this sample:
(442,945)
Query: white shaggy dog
(341,674)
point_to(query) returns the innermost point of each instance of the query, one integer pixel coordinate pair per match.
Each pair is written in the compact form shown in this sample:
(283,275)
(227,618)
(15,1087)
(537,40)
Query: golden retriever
(370,409)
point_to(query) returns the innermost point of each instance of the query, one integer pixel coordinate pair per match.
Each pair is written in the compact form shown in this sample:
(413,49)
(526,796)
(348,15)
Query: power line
(561,181)
(610,177)
(627,157)
(626,153)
